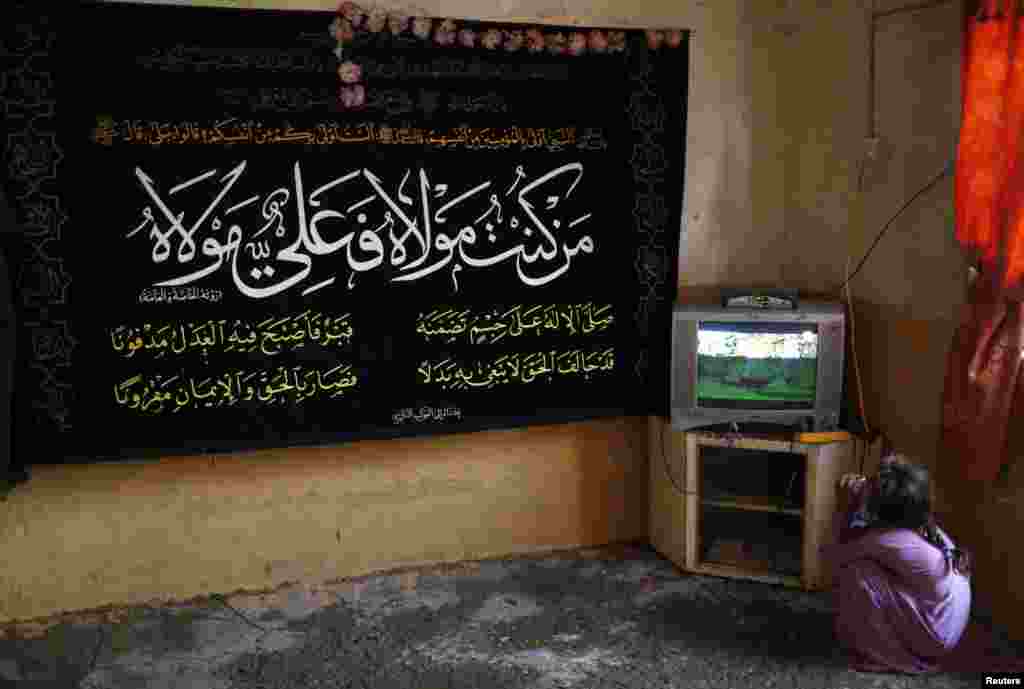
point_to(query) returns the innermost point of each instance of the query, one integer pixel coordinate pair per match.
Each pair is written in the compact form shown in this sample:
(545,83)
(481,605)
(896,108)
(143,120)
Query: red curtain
(984,369)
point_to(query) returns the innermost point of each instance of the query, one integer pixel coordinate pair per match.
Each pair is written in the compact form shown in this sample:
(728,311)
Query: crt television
(757,365)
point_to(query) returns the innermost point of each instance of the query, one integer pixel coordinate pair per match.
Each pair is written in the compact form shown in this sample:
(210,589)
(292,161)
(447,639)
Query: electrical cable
(785,498)
(856,364)
(848,279)
(664,458)
(935,180)
(853,349)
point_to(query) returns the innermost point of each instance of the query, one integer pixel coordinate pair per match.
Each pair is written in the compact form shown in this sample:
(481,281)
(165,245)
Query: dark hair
(901,499)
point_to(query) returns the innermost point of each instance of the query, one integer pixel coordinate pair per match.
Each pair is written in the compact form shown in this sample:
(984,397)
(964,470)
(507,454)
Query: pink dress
(902,605)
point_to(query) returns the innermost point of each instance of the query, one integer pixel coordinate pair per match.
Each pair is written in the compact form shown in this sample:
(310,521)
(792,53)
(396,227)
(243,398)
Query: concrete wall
(83,536)
(838,196)
(910,292)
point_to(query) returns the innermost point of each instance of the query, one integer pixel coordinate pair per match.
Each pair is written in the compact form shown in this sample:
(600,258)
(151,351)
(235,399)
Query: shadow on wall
(726,222)
(713,232)
(617,459)
(903,363)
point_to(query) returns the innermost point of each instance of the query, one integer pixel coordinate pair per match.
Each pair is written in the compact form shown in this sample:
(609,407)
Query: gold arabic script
(509,369)
(451,325)
(270,336)
(153,133)
(170,394)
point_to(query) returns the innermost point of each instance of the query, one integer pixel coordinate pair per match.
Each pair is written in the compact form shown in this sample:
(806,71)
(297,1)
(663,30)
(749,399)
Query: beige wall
(84,536)
(911,290)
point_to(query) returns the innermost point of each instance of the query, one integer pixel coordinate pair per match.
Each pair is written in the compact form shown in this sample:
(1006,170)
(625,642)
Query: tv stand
(753,506)
(752,428)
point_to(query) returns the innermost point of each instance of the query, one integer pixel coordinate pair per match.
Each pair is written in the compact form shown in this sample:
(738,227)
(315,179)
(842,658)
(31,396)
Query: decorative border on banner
(355,23)
(650,163)
(32,154)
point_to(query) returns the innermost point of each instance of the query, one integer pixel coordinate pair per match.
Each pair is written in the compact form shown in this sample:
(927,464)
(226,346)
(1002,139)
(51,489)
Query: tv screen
(756,365)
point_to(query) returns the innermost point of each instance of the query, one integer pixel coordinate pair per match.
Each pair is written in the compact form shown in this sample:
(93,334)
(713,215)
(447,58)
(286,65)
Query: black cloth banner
(214,254)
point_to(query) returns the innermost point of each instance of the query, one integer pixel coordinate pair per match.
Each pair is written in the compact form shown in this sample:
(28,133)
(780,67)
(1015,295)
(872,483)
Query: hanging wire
(885,228)
(664,458)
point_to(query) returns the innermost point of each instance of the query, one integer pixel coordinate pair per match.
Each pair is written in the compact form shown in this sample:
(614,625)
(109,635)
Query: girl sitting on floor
(904,594)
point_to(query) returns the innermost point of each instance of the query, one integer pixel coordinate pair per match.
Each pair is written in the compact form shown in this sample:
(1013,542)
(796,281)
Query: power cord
(869,437)
(668,469)
(853,349)
(786,498)
(931,183)
(866,448)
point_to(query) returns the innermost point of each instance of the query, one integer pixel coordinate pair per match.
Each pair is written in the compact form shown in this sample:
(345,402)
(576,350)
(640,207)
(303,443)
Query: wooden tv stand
(747,506)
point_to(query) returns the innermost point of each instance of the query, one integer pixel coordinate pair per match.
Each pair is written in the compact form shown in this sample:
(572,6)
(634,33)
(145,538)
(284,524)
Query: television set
(764,362)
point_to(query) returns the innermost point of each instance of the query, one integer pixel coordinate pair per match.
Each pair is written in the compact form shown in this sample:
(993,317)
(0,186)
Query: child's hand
(852,482)
(850,487)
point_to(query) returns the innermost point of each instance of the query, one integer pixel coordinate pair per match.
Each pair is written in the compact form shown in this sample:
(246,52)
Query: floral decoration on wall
(353,22)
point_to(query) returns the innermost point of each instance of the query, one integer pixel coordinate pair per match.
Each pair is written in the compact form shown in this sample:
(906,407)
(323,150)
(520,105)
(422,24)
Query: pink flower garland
(352,19)
(350,72)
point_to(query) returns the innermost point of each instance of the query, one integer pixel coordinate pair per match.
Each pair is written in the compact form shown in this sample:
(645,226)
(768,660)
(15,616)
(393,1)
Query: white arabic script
(419,228)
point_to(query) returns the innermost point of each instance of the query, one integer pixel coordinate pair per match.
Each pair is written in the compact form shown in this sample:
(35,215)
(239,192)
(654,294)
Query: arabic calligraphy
(421,227)
(278,386)
(110,131)
(168,295)
(552,138)
(270,336)
(520,368)
(394,65)
(278,99)
(425,414)
(451,325)
(181,57)
(490,102)
(393,101)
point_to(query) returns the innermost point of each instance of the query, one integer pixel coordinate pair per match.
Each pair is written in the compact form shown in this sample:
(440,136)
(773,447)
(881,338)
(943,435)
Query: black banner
(217,252)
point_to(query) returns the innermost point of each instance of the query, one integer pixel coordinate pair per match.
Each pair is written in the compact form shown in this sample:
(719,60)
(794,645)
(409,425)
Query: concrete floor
(595,619)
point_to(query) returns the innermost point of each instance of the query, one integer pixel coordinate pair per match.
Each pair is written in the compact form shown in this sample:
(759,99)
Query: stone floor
(595,619)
